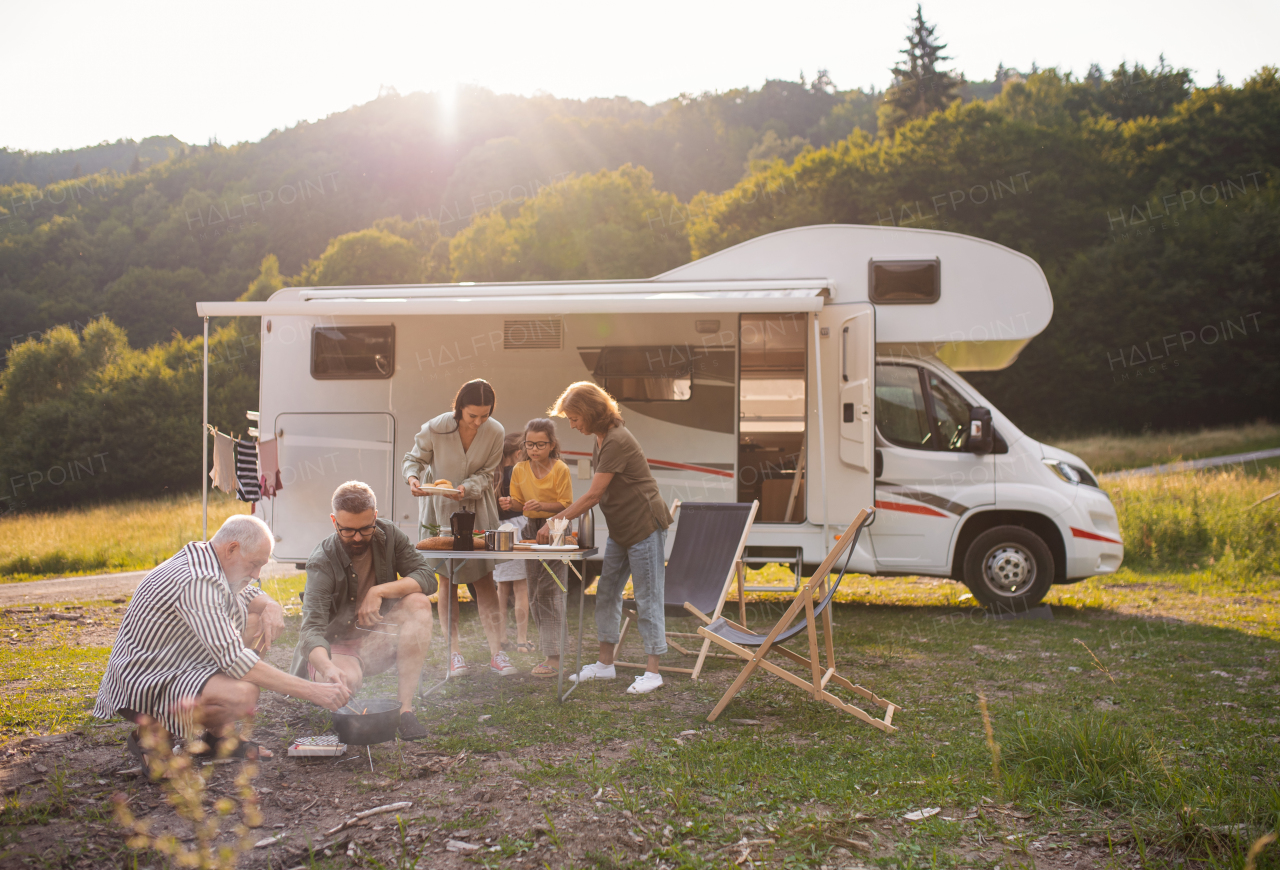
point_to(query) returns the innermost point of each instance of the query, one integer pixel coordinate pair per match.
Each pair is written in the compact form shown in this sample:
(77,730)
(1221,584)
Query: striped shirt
(183,626)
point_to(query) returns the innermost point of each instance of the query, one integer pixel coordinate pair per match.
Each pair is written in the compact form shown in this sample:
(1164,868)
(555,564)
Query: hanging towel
(248,486)
(224,463)
(269,467)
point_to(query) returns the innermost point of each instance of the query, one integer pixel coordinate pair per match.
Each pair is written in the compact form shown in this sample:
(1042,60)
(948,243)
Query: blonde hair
(598,410)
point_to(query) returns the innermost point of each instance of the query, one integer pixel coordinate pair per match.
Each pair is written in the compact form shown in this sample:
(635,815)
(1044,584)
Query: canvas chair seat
(706,558)
(754,648)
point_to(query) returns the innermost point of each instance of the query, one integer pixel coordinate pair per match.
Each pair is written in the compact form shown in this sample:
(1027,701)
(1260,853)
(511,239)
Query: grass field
(1136,729)
(1115,452)
(127,536)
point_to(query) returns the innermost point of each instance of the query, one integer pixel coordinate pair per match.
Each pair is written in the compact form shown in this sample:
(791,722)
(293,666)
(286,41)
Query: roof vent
(532,334)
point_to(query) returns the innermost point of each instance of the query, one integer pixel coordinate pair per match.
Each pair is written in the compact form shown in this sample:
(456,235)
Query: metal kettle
(587,529)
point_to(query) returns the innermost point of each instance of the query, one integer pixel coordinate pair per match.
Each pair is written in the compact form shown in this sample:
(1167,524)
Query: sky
(81,73)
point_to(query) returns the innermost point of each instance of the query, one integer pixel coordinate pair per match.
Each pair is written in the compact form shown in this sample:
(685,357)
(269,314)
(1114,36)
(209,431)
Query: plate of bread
(440,487)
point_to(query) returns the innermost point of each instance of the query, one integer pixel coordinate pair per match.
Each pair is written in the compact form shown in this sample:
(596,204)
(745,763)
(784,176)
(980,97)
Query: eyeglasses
(348,534)
(536,445)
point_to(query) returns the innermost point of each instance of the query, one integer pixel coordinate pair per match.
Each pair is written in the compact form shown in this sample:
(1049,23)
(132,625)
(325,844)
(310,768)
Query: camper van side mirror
(980,432)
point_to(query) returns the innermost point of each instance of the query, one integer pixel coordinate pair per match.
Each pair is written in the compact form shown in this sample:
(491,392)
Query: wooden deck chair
(738,640)
(706,559)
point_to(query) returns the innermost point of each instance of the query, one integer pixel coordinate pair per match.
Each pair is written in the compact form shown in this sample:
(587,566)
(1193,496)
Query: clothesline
(246,467)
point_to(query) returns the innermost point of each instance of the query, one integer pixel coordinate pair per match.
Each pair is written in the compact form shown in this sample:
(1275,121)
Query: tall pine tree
(919,87)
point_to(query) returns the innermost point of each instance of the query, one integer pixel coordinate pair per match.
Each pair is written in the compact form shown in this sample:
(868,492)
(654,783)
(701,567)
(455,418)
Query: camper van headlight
(1063,470)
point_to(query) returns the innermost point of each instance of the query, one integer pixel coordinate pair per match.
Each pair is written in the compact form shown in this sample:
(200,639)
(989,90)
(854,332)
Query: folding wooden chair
(739,640)
(706,558)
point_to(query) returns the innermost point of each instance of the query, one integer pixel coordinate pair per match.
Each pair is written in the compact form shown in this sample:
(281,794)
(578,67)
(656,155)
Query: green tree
(919,87)
(371,256)
(606,225)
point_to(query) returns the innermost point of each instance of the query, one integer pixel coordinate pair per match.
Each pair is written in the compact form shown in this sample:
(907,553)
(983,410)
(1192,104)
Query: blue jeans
(643,563)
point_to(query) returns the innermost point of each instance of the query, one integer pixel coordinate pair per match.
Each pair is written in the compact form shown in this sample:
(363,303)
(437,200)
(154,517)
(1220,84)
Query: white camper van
(813,369)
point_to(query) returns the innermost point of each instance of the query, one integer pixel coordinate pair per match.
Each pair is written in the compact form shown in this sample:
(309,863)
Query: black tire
(1009,569)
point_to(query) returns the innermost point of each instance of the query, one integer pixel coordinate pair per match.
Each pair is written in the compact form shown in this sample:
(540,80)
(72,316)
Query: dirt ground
(467,808)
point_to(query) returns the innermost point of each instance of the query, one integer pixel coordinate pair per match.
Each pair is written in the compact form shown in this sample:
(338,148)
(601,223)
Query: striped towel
(247,486)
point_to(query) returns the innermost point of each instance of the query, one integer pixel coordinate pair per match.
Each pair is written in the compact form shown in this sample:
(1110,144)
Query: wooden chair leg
(827,626)
(741,571)
(735,687)
(622,635)
(702,658)
(814,666)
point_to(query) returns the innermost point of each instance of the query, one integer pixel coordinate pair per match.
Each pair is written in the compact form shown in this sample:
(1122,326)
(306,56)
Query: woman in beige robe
(463,446)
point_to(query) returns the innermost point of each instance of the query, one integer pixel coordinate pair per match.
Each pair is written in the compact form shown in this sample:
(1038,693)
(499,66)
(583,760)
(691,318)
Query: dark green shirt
(632,506)
(332,583)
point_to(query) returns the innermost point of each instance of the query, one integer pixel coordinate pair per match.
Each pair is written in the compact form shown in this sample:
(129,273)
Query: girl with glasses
(541,486)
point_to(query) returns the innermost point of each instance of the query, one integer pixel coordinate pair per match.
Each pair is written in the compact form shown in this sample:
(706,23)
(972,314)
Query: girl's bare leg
(522,610)
(490,618)
(504,593)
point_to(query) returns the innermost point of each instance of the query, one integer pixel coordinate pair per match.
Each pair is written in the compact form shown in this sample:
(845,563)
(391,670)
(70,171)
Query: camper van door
(929,478)
(317,453)
(848,371)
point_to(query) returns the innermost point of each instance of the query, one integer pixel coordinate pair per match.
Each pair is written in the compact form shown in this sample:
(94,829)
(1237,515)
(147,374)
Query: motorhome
(815,370)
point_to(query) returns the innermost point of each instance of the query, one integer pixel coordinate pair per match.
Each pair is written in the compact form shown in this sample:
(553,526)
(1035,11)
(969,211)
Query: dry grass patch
(127,536)
(1114,452)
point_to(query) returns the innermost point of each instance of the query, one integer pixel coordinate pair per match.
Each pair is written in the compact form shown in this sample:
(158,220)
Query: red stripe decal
(1090,536)
(662,463)
(909,508)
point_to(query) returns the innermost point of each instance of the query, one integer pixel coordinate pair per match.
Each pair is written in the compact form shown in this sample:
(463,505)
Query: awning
(641,297)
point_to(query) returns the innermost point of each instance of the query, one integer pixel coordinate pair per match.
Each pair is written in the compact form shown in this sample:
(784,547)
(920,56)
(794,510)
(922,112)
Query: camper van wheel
(1008,569)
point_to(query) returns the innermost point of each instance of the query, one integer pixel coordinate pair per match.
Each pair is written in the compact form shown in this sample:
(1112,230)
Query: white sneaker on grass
(645,683)
(594,671)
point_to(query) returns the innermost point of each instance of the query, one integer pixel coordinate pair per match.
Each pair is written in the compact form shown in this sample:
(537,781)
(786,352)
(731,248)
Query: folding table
(454,557)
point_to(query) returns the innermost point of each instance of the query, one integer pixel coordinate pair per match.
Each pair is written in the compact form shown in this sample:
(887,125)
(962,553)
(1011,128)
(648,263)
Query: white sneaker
(595,671)
(645,683)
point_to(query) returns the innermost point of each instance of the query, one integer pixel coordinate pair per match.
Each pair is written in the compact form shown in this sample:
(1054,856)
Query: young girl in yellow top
(543,487)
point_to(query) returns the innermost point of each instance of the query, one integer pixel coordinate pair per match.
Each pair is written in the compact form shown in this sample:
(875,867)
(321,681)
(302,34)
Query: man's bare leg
(226,701)
(413,614)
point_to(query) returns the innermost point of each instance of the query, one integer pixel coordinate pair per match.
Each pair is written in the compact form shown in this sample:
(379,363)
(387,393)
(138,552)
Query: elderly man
(365,607)
(188,651)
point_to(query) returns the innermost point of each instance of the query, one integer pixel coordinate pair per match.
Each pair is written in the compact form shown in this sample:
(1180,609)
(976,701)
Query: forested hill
(1151,204)
(142,246)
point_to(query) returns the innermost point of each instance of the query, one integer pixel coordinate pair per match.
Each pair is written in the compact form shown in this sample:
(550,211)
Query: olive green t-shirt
(631,505)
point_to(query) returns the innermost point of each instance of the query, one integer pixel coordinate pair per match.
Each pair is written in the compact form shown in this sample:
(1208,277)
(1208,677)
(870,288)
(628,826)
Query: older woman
(463,446)
(637,519)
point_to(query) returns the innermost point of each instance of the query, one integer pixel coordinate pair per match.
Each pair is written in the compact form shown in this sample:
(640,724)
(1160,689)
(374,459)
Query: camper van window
(915,408)
(900,412)
(905,282)
(646,374)
(353,352)
(950,413)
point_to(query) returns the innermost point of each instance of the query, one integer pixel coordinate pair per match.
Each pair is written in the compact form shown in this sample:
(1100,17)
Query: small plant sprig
(185,783)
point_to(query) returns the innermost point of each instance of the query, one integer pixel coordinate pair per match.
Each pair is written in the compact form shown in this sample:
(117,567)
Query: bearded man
(365,606)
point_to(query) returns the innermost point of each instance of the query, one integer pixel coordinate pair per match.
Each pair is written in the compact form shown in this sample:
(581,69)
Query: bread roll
(439,542)
(444,483)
